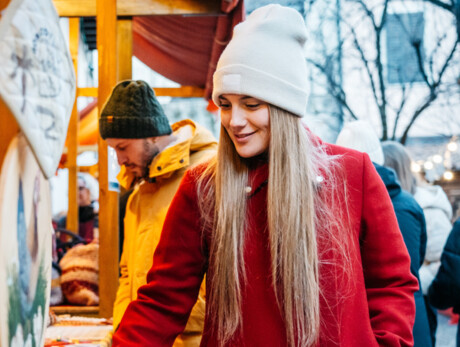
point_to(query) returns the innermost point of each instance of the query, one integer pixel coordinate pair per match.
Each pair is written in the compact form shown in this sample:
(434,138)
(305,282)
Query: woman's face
(247,122)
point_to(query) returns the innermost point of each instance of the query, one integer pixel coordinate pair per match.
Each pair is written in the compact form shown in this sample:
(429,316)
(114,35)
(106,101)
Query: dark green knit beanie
(133,112)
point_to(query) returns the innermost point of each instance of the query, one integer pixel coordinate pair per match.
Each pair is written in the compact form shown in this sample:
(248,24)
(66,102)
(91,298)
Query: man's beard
(151,150)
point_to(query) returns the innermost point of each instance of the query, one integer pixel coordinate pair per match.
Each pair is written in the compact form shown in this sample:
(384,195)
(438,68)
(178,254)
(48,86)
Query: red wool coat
(375,307)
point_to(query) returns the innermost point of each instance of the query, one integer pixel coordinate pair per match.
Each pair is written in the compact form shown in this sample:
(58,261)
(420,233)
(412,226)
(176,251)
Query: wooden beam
(108,200)
(85,311)
(181,92)
(92,92)
(72,134)
(87,8)
(125,49)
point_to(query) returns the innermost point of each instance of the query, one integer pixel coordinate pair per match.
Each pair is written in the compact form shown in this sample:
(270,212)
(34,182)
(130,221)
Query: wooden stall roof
(186,49)
(87,8)
(180,39)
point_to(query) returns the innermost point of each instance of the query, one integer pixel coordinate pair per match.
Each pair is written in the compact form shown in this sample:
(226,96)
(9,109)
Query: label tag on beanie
(232,82)
(109,119)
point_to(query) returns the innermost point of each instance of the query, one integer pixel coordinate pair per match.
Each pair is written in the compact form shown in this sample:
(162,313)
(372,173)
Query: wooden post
(72,133)
(108,200)
(3,5)
(8,129)
(8,125)
(125,49)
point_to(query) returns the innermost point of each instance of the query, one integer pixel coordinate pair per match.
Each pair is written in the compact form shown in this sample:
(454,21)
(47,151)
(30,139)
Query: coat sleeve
(438,228)
(163,305)
(123,293)
(390,286)
(444,291)
(413,229)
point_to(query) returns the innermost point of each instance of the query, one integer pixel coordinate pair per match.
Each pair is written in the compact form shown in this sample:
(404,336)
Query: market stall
(165,37)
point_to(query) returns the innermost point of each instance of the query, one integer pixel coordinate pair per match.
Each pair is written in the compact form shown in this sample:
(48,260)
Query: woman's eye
(252,106)
(226,106)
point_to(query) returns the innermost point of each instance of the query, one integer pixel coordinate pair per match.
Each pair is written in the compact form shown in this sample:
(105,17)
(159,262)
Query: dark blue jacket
(411,221)
(444,291)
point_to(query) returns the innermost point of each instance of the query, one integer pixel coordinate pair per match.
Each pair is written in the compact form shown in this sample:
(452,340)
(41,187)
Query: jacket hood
(390,179)
(190,137)
(433,197)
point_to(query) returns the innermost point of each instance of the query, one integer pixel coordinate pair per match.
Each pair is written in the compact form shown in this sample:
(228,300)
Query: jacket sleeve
(123,293)
(163,305)
(444,291)
(390,286)
(438,226)
(412,225)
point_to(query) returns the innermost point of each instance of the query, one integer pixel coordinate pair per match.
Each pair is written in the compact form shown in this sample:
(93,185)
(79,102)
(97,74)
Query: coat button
(181,161)
(159,168)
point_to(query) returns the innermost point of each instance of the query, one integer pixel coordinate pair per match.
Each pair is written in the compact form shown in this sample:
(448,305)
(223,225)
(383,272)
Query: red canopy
(185,49)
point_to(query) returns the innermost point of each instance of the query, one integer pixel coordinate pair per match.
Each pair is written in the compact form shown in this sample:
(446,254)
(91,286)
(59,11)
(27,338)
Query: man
(153,157)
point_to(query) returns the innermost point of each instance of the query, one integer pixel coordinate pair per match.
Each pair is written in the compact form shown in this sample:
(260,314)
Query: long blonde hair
(294,210)
(398,158)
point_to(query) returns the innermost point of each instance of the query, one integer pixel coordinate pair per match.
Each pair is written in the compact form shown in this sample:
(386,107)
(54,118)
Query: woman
(360,135)
(438,214)
(298,239)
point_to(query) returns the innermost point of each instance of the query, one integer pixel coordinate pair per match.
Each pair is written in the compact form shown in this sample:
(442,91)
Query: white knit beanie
(265,60)
(359,135)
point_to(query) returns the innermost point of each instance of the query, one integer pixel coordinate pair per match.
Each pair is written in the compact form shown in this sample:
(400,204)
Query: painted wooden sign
(25,247)
(37,80)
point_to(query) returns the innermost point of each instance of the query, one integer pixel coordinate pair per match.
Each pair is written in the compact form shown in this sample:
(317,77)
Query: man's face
(135,154)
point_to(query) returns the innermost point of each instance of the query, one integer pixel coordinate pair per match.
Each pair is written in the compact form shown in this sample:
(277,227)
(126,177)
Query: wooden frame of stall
(114,20)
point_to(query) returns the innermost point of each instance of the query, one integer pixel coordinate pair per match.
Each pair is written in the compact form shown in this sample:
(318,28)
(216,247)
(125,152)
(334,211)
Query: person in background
(444,291)
(156,155)
(297,238)
(88,208)
(438,215)
(359,135)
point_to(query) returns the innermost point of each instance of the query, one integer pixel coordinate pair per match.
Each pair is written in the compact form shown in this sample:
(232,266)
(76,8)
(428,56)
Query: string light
(452,146)
(448,175)
(428,165)
(415,167)
(437,158)
(440,164)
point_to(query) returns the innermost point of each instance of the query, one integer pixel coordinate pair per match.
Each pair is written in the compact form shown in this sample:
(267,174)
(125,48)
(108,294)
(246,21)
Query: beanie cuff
(244,80)
(133,127)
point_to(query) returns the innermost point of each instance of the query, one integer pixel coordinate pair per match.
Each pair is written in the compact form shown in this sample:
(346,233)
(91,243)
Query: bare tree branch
(398,112)
(446,6)
(335,88)
(421,68)
(434,93)
(365,51)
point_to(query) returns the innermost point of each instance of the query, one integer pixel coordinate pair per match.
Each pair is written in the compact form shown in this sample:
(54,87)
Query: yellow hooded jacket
(145,214)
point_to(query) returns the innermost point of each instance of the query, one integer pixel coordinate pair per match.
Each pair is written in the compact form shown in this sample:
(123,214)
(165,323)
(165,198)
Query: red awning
(185,49)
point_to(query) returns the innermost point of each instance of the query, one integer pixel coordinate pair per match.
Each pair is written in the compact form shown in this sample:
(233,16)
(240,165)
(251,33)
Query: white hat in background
(359,135)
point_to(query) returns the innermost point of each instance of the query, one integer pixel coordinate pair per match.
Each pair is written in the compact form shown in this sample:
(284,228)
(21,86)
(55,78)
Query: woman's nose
(238,117)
